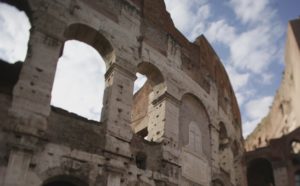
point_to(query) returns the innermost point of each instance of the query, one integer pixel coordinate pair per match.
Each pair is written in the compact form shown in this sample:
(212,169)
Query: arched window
(79,83)
(223,137)
(195,139)
(194,125)
(146,114)
(79,80)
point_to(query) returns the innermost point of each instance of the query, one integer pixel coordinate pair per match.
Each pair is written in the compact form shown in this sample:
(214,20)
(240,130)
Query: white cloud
(267,78)
(238,80)
(249,126)
(222,32)
(249,11)
(189,16)
(254,49)
(139,82)
(14,33)
(258,108)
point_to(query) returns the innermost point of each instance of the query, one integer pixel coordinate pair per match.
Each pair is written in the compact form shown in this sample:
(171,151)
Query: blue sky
(248,35)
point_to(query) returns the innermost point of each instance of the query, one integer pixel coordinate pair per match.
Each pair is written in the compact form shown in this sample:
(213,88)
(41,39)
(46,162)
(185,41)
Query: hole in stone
(141,160)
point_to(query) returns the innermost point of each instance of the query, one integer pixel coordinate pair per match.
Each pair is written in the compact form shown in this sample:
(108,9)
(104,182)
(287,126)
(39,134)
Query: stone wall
(179,110)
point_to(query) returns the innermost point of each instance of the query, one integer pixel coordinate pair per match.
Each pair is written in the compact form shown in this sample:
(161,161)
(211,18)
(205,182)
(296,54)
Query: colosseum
(183,127)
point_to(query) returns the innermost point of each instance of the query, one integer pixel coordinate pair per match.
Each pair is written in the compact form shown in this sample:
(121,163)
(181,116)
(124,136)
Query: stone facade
(274,146)
(183,127)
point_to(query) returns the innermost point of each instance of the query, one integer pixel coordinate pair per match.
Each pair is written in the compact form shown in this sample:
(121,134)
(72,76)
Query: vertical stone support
(169,107)
(214,133)
(280,176)
(114,179)
(116,113)
(32,93)
(17,168)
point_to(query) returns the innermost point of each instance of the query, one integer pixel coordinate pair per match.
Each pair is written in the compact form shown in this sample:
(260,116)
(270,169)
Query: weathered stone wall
(284,115)
(41,145)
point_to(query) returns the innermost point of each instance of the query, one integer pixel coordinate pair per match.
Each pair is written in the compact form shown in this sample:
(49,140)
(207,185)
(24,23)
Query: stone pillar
(32,93)
(169,107)
(214,133)
(114,179)
(280,176)
(17,168)
(117,104)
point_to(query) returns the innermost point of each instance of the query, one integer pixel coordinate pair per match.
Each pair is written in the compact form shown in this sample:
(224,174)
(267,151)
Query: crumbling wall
(284,115)
(45,144)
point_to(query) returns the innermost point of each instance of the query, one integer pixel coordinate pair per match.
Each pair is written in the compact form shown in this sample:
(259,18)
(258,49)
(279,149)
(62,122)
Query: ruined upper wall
(199,56)
(189,99)
(284,115)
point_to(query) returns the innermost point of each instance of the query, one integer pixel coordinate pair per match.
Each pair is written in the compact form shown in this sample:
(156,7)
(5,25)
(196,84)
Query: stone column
(117,104)
(17,168)
(169,107)
(280,176)
(32,93)
(214,133)
(114,179)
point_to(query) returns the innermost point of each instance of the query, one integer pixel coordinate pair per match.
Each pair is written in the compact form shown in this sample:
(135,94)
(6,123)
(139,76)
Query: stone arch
(146,109)
(217,182)
(66,173)
(225,153)
(92,37)
(221,179)
(64,180)
(192,111)
(260,172)
(224,140)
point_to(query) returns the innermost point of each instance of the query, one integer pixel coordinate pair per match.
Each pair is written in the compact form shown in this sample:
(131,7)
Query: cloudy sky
(248,35)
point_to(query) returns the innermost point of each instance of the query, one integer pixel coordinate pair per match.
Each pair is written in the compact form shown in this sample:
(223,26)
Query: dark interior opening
(143,133)
(141,160)
(60,183)
(260,173)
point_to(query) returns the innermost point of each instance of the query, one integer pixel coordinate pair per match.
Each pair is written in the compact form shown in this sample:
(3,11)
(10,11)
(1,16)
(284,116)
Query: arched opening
(64,181)
(14,33)
(145,113)
(225,152)
(223,137)
(260,172)
(79,83)
(79,80)
(297,178)
(217,183)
